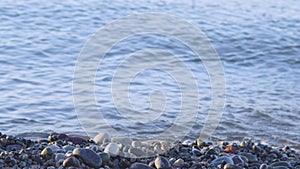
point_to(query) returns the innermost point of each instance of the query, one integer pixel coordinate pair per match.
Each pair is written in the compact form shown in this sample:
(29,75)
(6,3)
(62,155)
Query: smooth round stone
(219,160)
(281,164)
(99,139)
(54,148)
(231,166)
(122,140)
(187,142)
(69,148)
(263,166)
(211,152)
(112,149)
(251,158)
(237,160)
(46,152)
(178,163)
(136,144)
(71,162)
(60,156)
(197,152)
(138,152)
(140,166)
(162,163)
(89,157)
(105,157)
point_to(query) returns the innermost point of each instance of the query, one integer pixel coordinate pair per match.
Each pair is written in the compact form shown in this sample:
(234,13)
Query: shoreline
(75,151)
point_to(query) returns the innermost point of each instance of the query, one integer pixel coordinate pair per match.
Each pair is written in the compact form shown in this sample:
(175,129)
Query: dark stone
(14,147)
(71,162)
(140,166)
(263,166)
(37,159)
(221,160)
(89,157)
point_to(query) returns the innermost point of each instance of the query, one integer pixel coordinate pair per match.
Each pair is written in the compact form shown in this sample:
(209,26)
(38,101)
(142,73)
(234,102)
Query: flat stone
(281,164)
(89,157)
(112,149)
(231,166)
(140,166)
(99,139)
(251,158)
(219,160)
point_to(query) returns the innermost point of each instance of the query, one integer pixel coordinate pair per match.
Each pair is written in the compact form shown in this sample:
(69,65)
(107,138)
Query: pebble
(68,148)
(263,166)
(71,162)
(61,153)
(60,156)
(140,166)
(138,152)
(231,166)
(251,158)
(101,137)
(162,163)
(105,157)
(178,163)
(136,144)
(220,160)
(196,152)
(14,147)
(281,164)
(89,157)
(47,152)
(112,149)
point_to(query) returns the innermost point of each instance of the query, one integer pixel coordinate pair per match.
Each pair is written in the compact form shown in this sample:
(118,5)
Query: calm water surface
(258,43)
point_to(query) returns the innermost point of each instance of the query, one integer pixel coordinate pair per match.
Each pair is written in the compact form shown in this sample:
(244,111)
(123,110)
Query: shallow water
(258,43)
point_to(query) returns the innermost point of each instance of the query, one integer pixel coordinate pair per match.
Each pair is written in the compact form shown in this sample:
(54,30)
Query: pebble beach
(103,152)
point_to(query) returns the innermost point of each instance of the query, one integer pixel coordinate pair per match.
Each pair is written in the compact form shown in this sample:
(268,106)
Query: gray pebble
(89,157)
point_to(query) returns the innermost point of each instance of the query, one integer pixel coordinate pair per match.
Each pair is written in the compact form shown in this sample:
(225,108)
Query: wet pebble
(178,163)
(220,160)
(140,166)
(112,149)
(89,157)
(71,162)
(162,163)
(138,152)
(231,166)
(101,137)
(281,164)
